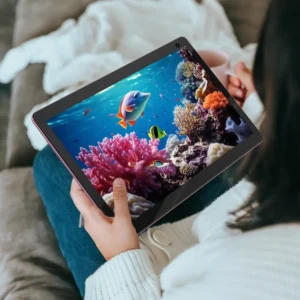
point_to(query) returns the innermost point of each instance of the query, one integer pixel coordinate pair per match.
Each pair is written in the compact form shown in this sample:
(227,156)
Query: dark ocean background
(88,122)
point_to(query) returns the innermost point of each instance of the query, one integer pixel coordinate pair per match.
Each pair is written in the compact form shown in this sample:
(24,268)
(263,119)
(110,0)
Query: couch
(31,265)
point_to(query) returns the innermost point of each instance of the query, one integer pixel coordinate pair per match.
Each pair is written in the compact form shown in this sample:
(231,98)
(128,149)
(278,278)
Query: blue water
(88,122)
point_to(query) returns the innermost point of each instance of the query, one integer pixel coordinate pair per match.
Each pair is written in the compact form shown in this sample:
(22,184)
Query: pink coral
(127,157)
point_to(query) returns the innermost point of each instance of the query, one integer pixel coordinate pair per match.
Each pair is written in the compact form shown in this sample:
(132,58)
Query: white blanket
(109,35)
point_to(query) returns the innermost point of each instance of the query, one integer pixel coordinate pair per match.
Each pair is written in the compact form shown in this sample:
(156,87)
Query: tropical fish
(86,111)
(161,96)
(193,113)
(159,163)
(156,133)
(155,116)
(132,107)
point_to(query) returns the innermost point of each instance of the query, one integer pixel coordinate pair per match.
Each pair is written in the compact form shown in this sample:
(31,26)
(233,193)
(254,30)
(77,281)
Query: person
(245,245)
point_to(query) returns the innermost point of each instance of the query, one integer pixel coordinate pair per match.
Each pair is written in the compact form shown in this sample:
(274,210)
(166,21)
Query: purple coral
(129,158)
(189,158)
(212,128)
(200,124)
(241,130)
(186,54)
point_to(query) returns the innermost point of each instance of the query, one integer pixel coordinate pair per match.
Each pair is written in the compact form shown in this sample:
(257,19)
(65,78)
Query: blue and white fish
(132,107)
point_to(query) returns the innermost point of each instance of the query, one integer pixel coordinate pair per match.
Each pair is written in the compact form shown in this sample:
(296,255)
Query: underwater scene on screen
(156,129)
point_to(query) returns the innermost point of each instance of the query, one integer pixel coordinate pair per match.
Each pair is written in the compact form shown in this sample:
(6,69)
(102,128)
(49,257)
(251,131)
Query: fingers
(120,199)
(234,81)
(83,203)
(235,91)
(245,75)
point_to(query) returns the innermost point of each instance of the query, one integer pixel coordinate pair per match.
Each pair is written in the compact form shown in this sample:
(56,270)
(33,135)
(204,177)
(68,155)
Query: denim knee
(45,163)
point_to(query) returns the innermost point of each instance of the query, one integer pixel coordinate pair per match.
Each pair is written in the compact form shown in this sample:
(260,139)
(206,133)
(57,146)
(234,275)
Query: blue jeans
(83,258)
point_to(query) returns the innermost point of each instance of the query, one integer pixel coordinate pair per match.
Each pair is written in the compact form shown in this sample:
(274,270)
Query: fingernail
(239,94)
(118,182)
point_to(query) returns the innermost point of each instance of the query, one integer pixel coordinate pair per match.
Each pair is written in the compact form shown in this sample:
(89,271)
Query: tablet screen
(156,129)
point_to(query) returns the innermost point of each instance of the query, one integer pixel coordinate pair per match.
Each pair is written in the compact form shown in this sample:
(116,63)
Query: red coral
(215,101)
(126,157)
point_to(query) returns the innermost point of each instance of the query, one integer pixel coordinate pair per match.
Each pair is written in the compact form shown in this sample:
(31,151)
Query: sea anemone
(215,101)
(205,88)
(215,151)
(137,205)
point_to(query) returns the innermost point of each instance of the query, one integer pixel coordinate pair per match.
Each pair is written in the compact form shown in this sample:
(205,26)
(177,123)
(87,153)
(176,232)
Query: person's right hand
(112,235)
(241,86)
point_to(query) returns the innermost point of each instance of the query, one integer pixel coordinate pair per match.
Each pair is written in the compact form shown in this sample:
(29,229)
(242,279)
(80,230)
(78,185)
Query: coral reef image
(156,129)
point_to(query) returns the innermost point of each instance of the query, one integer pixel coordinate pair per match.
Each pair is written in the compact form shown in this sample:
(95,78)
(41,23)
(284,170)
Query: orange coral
(215,101)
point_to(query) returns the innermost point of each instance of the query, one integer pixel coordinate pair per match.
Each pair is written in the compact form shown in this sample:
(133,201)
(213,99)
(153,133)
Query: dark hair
(274,167)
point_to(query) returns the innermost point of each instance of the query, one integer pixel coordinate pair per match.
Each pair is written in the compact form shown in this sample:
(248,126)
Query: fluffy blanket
(111,34)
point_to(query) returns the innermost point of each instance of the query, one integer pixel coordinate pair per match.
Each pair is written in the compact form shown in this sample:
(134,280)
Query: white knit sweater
(214,262)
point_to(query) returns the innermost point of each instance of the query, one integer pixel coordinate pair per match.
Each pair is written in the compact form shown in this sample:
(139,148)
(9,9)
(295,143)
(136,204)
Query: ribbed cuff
(180,236)
(253,108)
(129,275)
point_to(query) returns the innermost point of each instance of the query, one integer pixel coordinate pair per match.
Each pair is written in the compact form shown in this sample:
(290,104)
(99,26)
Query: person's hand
(241,86)
(112,236)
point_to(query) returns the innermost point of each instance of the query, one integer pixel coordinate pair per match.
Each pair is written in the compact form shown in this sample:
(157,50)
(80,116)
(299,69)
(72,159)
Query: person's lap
(53,184)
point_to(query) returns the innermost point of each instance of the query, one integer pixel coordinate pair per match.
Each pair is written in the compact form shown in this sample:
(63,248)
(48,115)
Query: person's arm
(253,108)
(242,88)
(128,273)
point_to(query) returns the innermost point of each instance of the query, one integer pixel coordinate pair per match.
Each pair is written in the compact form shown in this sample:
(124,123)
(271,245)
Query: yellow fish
(156,133)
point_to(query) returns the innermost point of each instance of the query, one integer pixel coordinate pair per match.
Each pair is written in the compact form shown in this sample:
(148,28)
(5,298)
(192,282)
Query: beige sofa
(31,266)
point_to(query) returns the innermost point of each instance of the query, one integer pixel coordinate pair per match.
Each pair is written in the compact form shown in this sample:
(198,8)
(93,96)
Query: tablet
(164,123)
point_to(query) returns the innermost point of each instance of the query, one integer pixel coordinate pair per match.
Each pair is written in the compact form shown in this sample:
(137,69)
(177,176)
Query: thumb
(120,199)
(245,75)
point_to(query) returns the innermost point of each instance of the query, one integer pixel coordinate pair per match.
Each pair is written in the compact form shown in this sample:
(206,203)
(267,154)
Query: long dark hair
(274,167)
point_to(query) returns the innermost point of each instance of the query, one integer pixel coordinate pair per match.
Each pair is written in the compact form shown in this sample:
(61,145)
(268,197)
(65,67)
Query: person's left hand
(241,85)
(112,236)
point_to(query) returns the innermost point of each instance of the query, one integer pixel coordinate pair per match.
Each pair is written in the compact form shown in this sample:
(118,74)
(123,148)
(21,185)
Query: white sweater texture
(203,259)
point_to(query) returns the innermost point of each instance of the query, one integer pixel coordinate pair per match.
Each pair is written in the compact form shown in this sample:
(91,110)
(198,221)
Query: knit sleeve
(253,108)
(128,276)
(211,222)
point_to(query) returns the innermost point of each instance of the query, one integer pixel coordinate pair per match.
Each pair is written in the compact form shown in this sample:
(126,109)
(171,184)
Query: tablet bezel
(41,117)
